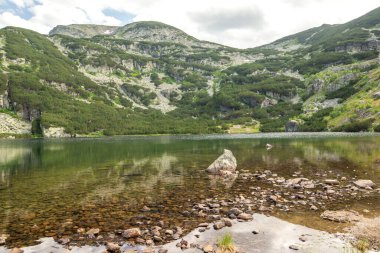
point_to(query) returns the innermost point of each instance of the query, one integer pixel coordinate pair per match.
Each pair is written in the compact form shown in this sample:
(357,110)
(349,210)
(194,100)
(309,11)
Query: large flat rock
(274,236)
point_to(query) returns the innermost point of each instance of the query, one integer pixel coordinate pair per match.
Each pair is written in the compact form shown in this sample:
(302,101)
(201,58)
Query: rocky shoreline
(265,234)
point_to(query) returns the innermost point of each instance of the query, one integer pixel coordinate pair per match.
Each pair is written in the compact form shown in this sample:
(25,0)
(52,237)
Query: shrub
(357,126)
(316,123)
(154,78)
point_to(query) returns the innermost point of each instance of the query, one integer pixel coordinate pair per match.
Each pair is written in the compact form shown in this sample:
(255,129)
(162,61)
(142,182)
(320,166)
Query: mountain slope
(45,88)
(149,77)
(360,32)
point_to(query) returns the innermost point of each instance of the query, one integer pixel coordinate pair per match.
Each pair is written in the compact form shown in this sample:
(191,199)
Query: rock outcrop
(291,126)
(225,163)
(55,132)
(11,125)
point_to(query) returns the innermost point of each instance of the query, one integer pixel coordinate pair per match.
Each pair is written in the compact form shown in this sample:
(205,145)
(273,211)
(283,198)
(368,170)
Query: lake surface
(50,188)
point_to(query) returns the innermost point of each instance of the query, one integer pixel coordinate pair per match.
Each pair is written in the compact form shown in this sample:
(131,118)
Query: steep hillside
(45,88)
(149,77)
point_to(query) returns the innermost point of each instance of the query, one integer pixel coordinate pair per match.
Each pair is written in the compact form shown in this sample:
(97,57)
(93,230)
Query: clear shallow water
(54,187)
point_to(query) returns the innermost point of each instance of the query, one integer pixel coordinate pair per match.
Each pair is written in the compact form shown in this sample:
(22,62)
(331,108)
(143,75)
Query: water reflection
(104,182)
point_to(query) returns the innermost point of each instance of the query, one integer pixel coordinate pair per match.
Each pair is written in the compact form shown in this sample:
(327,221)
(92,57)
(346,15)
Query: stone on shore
(16,250)
(112,247)
(219,225)
(224,163)
(208,248)
(294,247)
(245,216)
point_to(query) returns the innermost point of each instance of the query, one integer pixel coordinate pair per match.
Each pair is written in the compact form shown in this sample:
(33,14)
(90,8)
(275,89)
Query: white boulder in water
(225,163)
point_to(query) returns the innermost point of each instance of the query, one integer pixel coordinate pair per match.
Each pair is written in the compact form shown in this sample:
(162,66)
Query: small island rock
(225,162)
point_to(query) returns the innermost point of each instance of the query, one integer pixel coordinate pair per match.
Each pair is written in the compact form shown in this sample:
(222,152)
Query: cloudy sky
(238,23)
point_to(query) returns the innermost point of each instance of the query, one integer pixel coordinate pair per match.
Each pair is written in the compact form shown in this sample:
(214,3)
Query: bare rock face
(341,216)
(225,163)
(11,125)
(55,132)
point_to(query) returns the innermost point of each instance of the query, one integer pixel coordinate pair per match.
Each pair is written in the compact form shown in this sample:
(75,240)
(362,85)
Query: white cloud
(9,19)
(241,23)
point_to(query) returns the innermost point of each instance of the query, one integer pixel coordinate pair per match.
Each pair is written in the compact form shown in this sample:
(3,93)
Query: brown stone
(112,247)
(219,225)
(208,248)
(245,216)
(131,233)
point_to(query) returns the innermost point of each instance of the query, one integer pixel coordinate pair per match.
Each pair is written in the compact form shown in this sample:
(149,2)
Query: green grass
(226,244)
(9,112)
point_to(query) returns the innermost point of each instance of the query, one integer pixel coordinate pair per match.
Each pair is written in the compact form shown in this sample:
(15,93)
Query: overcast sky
(238,23)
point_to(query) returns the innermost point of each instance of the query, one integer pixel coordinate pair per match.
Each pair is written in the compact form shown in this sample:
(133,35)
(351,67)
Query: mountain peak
(83,30)
(153,31)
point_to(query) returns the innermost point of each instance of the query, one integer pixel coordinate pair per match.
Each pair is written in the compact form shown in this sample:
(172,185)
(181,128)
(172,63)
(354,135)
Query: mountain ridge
(153,31)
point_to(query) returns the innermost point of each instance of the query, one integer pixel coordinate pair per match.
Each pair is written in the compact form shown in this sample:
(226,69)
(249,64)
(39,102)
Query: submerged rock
(365,183)
(331,181)
(3,238)
(294,182)
(131,233)
(341,216)
(225,163)
(93,231)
